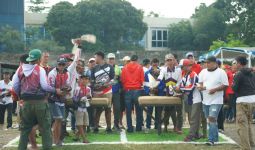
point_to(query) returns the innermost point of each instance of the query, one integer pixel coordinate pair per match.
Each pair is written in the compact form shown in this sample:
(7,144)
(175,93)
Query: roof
(35,18)
(161,21)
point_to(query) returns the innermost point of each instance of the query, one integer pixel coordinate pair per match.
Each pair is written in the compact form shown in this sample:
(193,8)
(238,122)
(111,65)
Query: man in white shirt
(212,83)
(6,100)
(244,88)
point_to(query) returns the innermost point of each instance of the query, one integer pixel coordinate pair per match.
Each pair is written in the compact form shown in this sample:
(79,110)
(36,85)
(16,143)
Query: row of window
(159,38)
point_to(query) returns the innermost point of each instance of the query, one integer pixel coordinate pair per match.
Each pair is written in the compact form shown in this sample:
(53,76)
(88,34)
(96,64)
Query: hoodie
(244,82)
(25,82)
(132,76)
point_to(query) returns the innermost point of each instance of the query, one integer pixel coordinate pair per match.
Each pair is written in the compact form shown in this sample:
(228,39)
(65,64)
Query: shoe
(209,143)
(96,130)
(253,121)
(178,131)
(221,131)
(130,130)
(108,131)
(189,138)
(116,128)
(86,141)
(122,127)
(59,144)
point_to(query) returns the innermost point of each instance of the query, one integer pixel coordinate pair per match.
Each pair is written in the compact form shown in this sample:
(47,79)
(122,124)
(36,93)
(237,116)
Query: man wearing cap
(212,82)
(132,78)
(194,99)
(172,77)
(195,67)
(91,64)
(115,91)
(59,78)
(30,83)
(102,79)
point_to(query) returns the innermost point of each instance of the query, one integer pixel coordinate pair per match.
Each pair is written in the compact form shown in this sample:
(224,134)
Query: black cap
(84,75)
(134,58)
(211,59)
(62,60)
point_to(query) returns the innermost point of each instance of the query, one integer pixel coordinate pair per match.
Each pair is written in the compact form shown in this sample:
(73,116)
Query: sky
(165,8)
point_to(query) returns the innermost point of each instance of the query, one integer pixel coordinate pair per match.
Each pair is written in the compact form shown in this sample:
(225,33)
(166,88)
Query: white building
(156,37)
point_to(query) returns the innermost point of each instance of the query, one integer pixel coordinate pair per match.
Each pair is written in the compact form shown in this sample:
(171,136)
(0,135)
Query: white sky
(165,8)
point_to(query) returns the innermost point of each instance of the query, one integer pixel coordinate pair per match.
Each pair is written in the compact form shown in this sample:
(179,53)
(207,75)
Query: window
(159,38)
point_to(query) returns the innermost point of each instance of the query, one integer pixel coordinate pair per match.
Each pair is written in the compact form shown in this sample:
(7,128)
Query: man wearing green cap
(30,83)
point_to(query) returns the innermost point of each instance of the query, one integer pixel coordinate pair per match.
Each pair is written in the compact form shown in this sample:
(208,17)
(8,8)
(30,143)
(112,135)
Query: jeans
(131,98)
(211,113)
(9,114)
(116,108)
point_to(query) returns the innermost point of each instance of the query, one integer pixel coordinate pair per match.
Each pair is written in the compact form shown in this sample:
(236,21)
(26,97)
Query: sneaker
(108,131)
(130,130)
(122,127)
(96,130)
(221,131)
(209,143)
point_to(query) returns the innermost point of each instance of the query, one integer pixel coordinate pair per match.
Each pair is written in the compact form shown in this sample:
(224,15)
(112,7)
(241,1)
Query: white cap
(189,54)
(126,58)
(110,55)
(92,59)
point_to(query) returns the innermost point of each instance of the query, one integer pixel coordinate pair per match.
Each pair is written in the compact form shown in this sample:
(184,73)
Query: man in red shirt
(195,67)
(132,78)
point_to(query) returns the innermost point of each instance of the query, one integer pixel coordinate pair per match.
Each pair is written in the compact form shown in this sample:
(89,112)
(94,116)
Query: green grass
(145,147)
(152,136)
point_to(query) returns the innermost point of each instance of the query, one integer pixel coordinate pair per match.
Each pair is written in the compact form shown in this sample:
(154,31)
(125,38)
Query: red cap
(185,62)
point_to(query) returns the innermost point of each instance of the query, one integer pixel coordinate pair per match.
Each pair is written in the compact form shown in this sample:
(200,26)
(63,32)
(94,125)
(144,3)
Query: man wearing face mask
(212,82)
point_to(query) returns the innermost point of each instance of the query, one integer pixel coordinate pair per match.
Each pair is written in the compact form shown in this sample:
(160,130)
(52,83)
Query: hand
(200,88)
(177,89)
(59,92)
(212,91)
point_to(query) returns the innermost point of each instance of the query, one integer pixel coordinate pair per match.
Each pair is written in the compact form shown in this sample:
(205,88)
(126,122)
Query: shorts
(58,112)
(82,118)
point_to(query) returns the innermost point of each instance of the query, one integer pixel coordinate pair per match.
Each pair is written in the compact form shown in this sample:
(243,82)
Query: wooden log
(97,102)
(159,100)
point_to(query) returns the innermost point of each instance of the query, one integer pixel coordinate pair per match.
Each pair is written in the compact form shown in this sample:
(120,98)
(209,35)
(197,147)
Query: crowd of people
(212,93)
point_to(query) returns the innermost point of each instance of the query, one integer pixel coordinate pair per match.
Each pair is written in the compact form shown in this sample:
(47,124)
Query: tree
(230,42)
(10,40)
(116,23)
(181,36)
(47,45)
(209,25)
(240,15)
(37,7)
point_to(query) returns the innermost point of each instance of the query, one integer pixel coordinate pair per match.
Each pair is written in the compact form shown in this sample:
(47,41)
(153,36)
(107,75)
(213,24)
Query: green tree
(240,15)
(116,23)
(11,39)
(181,36)
(209,25)
(37,7)
(48,45)
(230,42)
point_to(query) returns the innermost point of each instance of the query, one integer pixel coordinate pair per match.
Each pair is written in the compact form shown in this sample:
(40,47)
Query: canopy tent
(227,53)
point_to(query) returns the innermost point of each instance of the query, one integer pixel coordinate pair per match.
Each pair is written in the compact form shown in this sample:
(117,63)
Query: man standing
(30,83)
(6,100)
(45,61)
(132,78)
(172,77)
(115,91)
(244,87)
(59,77)
(212,83)
(102,77)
